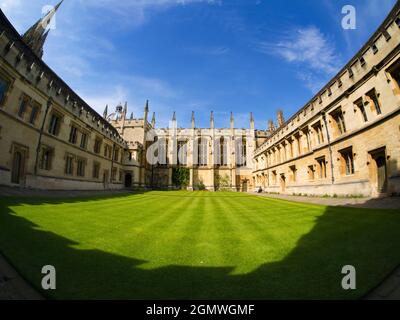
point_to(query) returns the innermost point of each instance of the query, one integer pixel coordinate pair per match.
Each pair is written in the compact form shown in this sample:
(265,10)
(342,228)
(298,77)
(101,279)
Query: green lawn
(197,245)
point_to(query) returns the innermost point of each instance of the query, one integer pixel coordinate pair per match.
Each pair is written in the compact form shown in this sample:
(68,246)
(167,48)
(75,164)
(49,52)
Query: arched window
(182,152)
(163,151)
(241,152)
(223,152)
(202,152)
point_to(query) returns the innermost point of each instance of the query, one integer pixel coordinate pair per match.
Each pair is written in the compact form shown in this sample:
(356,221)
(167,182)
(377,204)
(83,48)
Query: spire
(131,116)
(36,36)
(105,113)
(232,121)
(173,121)
(146,108)
(251,121)
(193,120)
(153,120)
(281,119)
(271,126)
(126,108)
(146,111)
(212,120)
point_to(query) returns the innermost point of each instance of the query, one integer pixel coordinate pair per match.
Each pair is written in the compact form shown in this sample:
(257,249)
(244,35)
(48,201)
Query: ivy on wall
(181,177)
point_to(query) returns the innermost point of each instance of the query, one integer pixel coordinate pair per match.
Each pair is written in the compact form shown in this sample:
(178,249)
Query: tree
(181,177)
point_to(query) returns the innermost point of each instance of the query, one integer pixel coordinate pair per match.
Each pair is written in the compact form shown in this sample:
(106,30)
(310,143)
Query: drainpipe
(48,106)
(329,146)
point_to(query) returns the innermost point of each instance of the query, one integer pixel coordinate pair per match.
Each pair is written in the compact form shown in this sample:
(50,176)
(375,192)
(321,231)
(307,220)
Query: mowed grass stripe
(197,245)
(255,244)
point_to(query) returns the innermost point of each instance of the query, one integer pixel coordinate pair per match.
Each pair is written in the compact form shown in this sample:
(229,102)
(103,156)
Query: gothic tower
(36,35)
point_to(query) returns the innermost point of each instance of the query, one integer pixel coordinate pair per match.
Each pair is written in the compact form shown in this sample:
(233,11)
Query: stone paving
(383,203)
(13,286)
(20,192)
(389,289)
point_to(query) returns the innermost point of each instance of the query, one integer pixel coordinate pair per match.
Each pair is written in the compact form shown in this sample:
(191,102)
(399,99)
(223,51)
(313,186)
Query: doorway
(17,170)
(245,186)
(105,179)
(128,180)
(381,173)
(283,183)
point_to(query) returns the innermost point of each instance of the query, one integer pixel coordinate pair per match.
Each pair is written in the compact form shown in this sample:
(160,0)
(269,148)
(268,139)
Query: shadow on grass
(312,270)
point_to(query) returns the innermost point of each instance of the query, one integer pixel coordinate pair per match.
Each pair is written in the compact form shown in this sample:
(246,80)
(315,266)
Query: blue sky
(200,55)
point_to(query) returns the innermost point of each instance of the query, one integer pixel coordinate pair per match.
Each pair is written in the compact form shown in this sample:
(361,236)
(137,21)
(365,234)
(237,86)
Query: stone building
(345,140)
(214,157)
(49,137)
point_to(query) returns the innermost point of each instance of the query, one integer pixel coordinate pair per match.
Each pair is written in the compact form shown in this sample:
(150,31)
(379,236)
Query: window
(291,155)
(362,61)
(293,173)
(222,150)
(321,167)
(96,170)
(241,152)
(283,151)
(54,125)
(398,21)
(116,154)
(114,174)
(360,105)
(318,131)
(130,156)
(4,85)
(386,35)
(69,165)
(182,152)
(351,74)
(163,151)
(374,98)
(274,177)
(347,161)
(34,112)
(339,120)
(311,173)
(28,106)
(202,150)
(298,142)
(306,133)
(46,158)
(374,48)
(84,139)
(73,135)
(80,167)
(97,145)
(107,150)
(395,73)
(23,106)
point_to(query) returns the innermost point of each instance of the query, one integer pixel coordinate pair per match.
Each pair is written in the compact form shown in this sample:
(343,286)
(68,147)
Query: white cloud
(113,97)
(8,5)
(307,46)
(311,81)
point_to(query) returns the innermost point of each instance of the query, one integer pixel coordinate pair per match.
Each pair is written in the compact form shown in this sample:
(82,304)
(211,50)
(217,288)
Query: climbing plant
(181,177)
(223,183)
